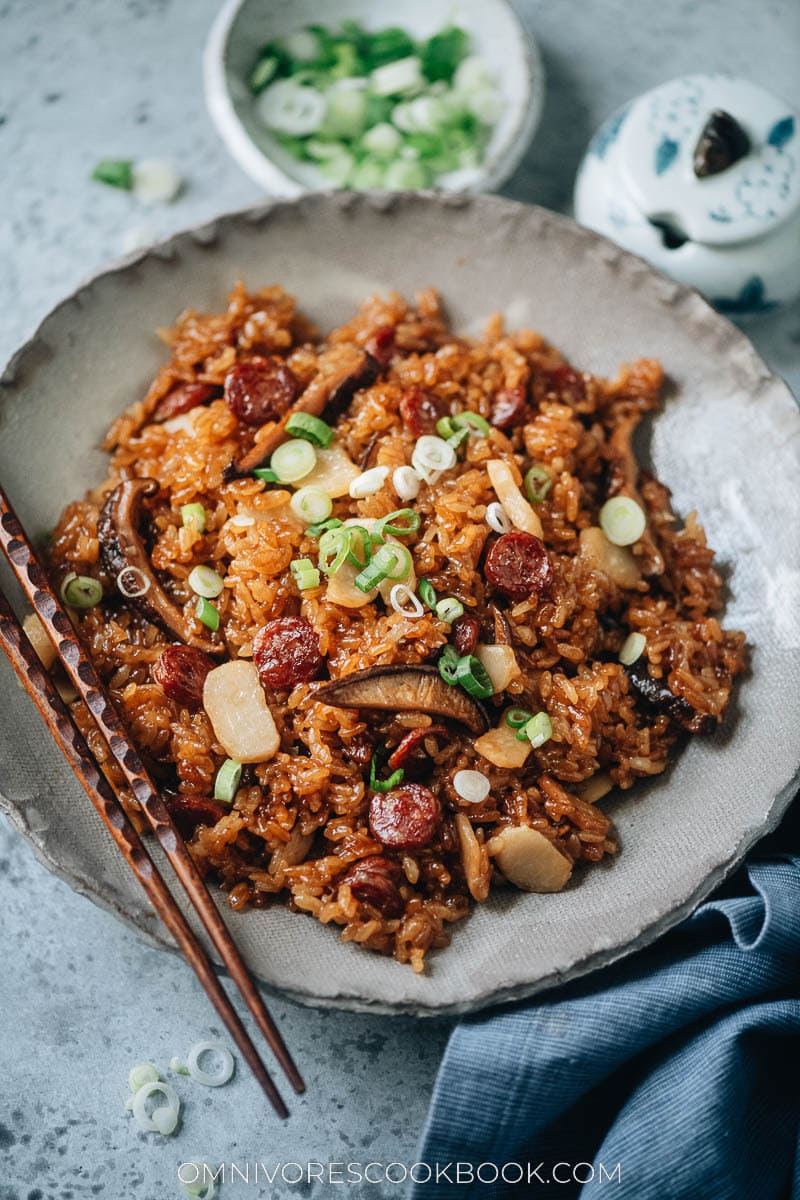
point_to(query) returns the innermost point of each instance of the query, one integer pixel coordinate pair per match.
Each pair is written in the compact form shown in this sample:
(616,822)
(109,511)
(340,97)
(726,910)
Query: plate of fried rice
(443,561)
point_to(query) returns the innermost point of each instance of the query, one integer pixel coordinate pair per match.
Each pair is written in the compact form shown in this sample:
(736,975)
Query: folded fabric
(672,1075)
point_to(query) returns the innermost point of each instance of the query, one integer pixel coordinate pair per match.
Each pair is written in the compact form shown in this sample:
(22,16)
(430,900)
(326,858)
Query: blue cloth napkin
(673,1075)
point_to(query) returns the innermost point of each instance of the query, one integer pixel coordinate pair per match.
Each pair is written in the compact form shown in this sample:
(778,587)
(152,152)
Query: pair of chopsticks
(32,578)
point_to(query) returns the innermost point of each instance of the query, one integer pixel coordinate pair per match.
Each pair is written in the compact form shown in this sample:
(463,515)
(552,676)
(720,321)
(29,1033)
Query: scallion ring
(360,551)
(293,460)
(311,504)
(449,610)
(265,475)
(622,520)
(406,483)
(537,731)
(141,1074)
(473,422)
(388,526)
(431,456)
(133,582)
(227,781)
(445,427)
(427,593)
(497,518)
(207,614)
(403,601)
(473,677)
(390,562)
(313,429)
(306,575)
(81,591)
(218,1078)
(316,530)
(205,581)
(193,516)
(448,665)
(537,483)
(164,1119)
(517,718)
(334,547)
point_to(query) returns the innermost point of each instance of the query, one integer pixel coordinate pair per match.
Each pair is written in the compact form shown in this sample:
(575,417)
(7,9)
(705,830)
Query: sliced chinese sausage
(286,652)
(125,557)
(412,752)
(420,410)
(376,881)
(381,343)
(529,860)
(509,408)
(519,566)
(188,812)
(259,389)
(182,399)
(405,689)
(405,818)
(237,708)
(181,672)
(341,371)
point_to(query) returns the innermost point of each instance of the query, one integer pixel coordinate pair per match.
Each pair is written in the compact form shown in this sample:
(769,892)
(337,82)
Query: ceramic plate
(726,443)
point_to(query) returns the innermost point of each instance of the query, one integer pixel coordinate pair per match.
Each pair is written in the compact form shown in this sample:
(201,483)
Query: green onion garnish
(81,591)
(517,717)
(313,429)
(227,782)
(448,665)
(537,484)
(388,526)
(445,427)
(458,438)
(306,575)
(390,562)
(207,614)
(622,520)
(116,172)
(473,677)
(449,610)
(265,474)
(319,527)
(383,785)
(205,581)
(427,593)
(293,460)
(473,422)
(311,504)
(193,516)
(360,551)
(538,730)
(334,547)
(141,1074)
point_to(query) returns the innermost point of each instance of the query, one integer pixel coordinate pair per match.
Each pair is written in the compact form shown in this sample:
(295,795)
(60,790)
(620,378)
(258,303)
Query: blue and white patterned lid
(751,197)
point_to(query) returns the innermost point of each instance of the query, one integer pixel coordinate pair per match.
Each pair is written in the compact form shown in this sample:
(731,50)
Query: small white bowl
(243,26)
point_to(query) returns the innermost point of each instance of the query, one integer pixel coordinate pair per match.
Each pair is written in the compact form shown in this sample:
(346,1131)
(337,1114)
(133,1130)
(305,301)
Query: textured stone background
(81,999)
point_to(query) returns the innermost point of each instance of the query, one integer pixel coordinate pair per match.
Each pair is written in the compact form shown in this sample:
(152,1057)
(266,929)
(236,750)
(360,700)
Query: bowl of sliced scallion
(446,94)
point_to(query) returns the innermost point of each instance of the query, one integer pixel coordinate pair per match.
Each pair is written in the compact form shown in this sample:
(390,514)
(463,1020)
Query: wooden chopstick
(70,741)
(79,667)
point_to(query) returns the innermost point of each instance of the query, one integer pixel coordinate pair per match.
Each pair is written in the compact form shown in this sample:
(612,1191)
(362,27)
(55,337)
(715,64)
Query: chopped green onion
(427,593)
(306,575)
(178,1067)
(431,456)
(390,562)
(383,785)
(334,547)
(538,730)
(473,422)
(622,520)
(473,677)
(266,474)
(263,73)
(632,648)
(313,429)
(442,53)
(116,172)
(226,784)
(205,581)
(293,460)
(207,614)
(388,527)
(290,107)
(445,427)
(81,591)
(359,533)
(518,717)
(457,439)
(141,1074)
(311,504)
(449,610)
(193,516)
(537,484)
(318,528)
(448,665)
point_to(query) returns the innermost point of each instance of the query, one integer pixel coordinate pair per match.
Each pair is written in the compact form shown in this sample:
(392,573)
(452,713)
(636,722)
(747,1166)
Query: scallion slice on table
(81,591)
(116,172)
(227,781)
(293,460)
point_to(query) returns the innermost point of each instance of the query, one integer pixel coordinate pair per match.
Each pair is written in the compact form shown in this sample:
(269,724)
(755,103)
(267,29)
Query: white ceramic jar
(701,176)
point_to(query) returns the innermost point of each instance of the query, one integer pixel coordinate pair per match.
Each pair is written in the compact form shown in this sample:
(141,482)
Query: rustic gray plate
(727,444)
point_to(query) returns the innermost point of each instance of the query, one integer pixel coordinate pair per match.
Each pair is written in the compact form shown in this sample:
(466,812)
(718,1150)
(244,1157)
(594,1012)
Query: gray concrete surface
(81,999)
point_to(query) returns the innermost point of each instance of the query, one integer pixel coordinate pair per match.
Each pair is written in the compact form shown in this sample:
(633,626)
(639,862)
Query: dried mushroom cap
(721,144)
(529,860)
(405,689)
(122,548)
(655,694)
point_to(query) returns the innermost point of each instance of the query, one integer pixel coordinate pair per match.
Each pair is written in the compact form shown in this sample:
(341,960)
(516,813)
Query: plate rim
(667,291)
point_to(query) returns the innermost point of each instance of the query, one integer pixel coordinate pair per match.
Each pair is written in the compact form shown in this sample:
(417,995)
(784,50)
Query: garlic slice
(237,708)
